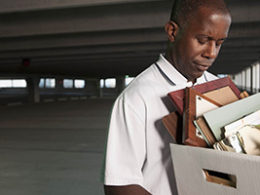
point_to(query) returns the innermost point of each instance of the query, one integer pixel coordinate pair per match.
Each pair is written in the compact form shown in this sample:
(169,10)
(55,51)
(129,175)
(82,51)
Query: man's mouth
(201,67)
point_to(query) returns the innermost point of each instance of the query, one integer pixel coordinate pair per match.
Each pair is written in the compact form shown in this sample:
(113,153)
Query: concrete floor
(53,148)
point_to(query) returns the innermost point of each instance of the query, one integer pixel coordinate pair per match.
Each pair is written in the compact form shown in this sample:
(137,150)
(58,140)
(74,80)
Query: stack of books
(217,115)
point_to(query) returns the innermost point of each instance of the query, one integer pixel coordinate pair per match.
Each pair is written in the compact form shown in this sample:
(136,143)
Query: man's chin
(197,75)
(194,75)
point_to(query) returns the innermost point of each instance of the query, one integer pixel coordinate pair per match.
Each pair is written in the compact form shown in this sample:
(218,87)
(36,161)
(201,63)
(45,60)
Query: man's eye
(202,40)
(219,43)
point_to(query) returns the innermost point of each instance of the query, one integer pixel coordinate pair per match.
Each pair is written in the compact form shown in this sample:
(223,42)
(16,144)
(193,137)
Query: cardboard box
(191,166)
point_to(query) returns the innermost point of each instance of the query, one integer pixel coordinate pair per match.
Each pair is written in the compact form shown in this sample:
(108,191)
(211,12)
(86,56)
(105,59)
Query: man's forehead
(204,15)
(204,11)
(210,23)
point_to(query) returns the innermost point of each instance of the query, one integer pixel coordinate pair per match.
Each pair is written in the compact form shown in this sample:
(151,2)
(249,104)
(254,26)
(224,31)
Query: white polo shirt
(137,149)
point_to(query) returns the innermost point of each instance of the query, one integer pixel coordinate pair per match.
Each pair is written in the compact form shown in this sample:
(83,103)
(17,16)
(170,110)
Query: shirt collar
(173,75)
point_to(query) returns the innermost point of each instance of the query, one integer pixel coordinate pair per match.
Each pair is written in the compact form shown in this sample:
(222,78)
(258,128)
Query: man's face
(197,44)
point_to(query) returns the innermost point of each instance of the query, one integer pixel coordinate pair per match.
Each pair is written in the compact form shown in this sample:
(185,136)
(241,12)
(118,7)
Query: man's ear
(171,28)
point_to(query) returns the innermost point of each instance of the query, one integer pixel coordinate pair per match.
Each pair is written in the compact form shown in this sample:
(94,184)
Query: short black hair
(183,10)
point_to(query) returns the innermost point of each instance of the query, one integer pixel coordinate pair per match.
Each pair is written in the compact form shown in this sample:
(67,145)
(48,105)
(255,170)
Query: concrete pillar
(120,84)
(251,80)
(59,83)
(92,87)
(59,91)
(33,89)
(99,89)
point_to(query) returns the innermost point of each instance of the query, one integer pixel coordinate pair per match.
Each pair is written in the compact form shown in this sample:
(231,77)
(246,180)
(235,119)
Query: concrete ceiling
(107,38)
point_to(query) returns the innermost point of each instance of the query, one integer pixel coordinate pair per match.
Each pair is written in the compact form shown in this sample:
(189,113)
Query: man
(138,158)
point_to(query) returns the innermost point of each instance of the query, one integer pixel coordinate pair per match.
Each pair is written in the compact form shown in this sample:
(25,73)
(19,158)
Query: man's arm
(125,190)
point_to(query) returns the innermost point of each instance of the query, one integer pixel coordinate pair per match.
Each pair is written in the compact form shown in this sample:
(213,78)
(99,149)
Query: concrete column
(33,89)
(59,91)
(120,84)
(251,80)
(92,87)
(59,83)
(99,89)
(258,75)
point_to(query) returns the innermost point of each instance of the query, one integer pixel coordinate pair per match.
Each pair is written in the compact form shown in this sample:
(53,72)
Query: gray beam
(149,14)
(245,29)
(230,68)
(110,68)
(113,51)
(238,55)
(231,46)
(90,19)
(83,39)
(85,50)
(244,11)
(242,42)
(83,59)
(29,5)
(112,37)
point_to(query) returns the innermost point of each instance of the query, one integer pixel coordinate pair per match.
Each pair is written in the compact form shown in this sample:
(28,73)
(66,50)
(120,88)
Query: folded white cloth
(250,137)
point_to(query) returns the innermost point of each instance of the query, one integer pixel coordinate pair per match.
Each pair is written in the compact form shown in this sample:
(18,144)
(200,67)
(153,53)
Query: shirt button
(189,84)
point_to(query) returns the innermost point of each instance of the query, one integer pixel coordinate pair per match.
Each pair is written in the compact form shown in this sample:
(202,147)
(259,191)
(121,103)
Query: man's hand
(125,190)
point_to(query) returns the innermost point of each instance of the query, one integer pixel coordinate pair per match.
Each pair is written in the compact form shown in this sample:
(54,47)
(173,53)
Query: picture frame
(194,106)
(207,89)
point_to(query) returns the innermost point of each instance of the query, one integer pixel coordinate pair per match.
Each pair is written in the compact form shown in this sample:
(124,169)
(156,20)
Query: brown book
(201,124)
(173,124)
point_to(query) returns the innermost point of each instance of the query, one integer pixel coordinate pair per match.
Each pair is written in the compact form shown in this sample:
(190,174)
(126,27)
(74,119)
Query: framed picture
(215,88)
(194,106)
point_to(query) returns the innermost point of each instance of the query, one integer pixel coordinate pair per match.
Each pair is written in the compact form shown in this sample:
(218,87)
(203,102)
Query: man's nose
(211,51)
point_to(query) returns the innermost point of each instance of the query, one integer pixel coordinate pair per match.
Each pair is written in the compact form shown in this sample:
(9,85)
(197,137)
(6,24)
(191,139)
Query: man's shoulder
(144,80)
(141,86)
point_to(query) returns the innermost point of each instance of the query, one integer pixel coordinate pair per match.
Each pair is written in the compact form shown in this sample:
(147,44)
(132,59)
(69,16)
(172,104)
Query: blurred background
(62,64)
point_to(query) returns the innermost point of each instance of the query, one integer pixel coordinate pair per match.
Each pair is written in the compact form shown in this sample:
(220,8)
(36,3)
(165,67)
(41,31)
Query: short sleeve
(125,150)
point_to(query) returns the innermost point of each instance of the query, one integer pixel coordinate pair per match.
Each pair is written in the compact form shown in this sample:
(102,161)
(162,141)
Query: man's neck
(170,60)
